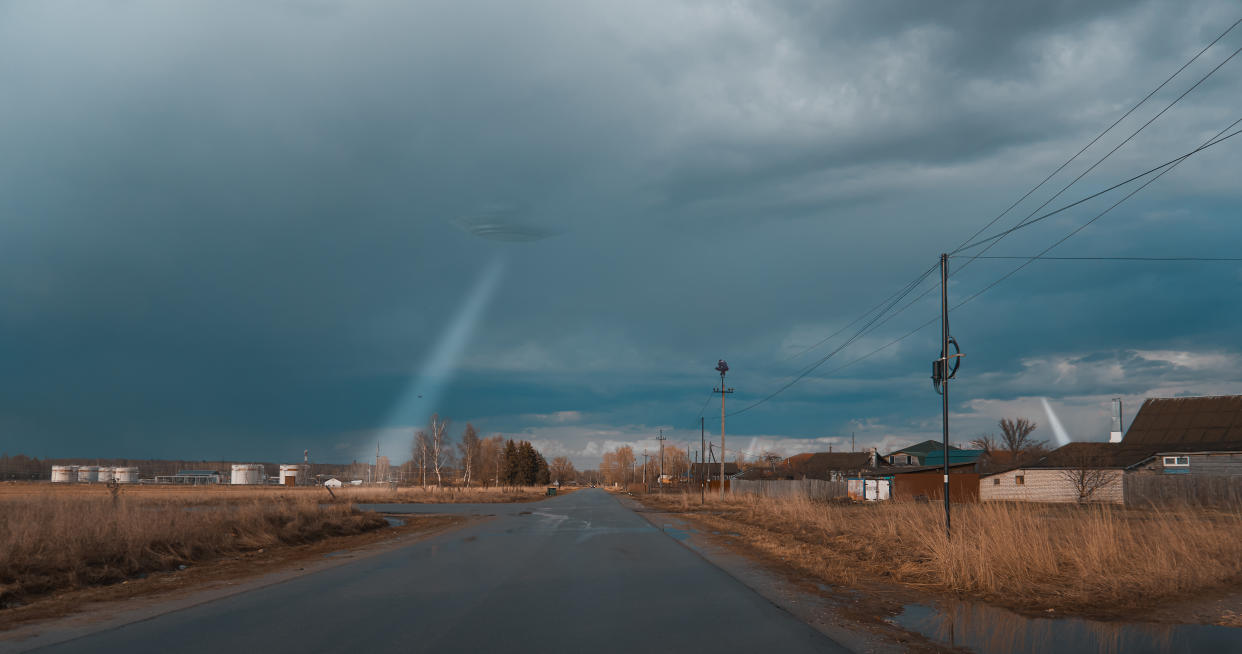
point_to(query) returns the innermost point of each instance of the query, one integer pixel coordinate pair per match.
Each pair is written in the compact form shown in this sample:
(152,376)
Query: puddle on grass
(394,522)
(988,629)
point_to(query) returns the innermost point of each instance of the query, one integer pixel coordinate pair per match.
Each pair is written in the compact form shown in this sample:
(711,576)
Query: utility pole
(942,372)
(660,479)
(722,368)
(702,462)
(852,442)
(644,470)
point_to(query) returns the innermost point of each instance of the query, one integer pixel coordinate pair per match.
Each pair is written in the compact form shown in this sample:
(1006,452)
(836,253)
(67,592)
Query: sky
(237,230)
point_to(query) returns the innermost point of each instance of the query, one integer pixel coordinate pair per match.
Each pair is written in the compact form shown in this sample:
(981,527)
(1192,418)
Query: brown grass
(1087,559)
(59,540)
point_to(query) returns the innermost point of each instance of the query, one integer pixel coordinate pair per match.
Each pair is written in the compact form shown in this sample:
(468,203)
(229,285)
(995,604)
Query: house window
(1019,480)
(1176,461)
(996,482)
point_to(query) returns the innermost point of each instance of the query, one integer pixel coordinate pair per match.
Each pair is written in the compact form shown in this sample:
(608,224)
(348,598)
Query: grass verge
(1091,560)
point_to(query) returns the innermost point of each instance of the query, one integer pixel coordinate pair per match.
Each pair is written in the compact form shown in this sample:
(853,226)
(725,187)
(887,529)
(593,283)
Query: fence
(813,489)
(1205,490)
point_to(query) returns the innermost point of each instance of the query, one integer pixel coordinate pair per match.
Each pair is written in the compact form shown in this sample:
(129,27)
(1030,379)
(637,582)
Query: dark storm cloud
(237,224)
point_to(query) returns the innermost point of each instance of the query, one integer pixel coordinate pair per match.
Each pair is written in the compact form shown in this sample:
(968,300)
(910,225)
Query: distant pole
(660,479)
(722,368)
(852,442)
(944,379)
(702,461)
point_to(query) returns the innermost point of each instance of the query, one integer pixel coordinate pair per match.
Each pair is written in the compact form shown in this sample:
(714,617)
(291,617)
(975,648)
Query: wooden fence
(814,489)
(1203,490)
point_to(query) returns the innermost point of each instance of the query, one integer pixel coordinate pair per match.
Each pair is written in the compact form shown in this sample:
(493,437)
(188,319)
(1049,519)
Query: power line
(1168,165)
(1027,220)
(1100,135)
(1045,258)
(1110,152)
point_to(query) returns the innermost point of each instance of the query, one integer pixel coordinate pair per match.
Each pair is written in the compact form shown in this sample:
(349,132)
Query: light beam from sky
(415,406)
(1054,423)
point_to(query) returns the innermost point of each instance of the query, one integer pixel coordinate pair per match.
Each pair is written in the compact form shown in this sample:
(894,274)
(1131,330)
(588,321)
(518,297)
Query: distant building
(1184,447)
(712,470)
(916,455)
(333,483)
(191,477)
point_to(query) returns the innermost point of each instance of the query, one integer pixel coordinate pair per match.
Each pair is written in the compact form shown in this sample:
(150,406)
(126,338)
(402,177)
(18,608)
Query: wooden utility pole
(702,461)
(722,368)
(660,479)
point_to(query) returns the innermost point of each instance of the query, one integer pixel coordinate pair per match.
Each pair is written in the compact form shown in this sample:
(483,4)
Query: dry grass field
(1092,559)
(56,537)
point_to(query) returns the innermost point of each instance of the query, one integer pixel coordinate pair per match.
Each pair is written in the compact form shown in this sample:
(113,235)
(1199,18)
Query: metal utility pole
(942,372)
(722,368)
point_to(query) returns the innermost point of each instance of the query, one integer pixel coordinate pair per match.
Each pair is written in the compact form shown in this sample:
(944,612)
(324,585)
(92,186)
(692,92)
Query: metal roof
(1188,422)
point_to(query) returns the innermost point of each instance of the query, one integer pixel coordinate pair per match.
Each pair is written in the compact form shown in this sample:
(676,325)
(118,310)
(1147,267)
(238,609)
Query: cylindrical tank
(105,473)
(88,473)
(247,473)
(64,474)
(125,474)
(291,474)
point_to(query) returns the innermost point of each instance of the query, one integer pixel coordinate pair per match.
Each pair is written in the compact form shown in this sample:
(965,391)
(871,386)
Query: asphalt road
(576,573)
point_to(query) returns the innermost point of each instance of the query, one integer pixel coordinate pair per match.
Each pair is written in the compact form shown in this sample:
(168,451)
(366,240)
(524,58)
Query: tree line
(474,461)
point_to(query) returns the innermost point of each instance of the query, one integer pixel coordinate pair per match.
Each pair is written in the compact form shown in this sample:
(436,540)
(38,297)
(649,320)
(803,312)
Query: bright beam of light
(1058,431)
(416,405)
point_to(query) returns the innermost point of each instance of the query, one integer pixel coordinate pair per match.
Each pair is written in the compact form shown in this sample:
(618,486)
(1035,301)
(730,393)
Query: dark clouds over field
(233,230)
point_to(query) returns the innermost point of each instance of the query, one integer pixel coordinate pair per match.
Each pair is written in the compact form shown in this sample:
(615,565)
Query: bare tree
(1087,476)
(438,427)
(1016,435)
(422,447)
(985,442)
(470,447)
(562,469)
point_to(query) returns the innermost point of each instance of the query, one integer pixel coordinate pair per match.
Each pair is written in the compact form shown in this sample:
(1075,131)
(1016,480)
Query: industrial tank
(105,473)
(291,474)
(88,473)
(246,473)
(125,474)
(64,474)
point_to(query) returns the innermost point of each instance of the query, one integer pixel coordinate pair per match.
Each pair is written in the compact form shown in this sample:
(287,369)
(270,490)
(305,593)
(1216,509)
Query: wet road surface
(578,572)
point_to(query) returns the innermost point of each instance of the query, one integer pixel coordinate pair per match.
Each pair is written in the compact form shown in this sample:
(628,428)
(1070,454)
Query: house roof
(906,470)
(1093,455)
(1187,423)
(922,449)
(955,456)
(819,464)
(714,468)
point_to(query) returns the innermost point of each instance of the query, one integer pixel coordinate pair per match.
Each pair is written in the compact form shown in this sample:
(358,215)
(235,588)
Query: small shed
(334,483)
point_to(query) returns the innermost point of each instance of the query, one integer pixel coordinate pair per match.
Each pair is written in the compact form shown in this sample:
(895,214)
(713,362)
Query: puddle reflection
(987,629)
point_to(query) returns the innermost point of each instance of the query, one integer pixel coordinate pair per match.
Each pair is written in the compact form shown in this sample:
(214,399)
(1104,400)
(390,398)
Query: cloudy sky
(237,230)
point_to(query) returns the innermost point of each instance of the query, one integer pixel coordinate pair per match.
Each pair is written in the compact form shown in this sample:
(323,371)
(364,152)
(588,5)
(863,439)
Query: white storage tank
(291,474)
(88,473)
(64,474)
(105,473)
(246,473)
(125,474)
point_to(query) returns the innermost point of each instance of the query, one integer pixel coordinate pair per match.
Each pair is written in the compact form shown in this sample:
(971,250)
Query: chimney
(1114,434)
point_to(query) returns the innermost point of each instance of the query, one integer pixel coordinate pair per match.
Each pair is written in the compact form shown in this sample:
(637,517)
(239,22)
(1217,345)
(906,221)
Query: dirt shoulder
(883,574)
(857,618)
(92,608)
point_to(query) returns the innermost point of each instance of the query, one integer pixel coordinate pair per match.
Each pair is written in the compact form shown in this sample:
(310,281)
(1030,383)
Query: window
(996,482)
(1019,480)
(1176,461)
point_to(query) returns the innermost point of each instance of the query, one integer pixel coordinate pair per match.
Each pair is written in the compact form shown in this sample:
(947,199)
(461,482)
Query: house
(916,483)
(915,455)
(1175,448)
(333,482)
(828,466)
(956,456)
(712,470)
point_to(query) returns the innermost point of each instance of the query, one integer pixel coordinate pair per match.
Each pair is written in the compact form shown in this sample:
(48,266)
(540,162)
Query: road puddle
(987,629)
